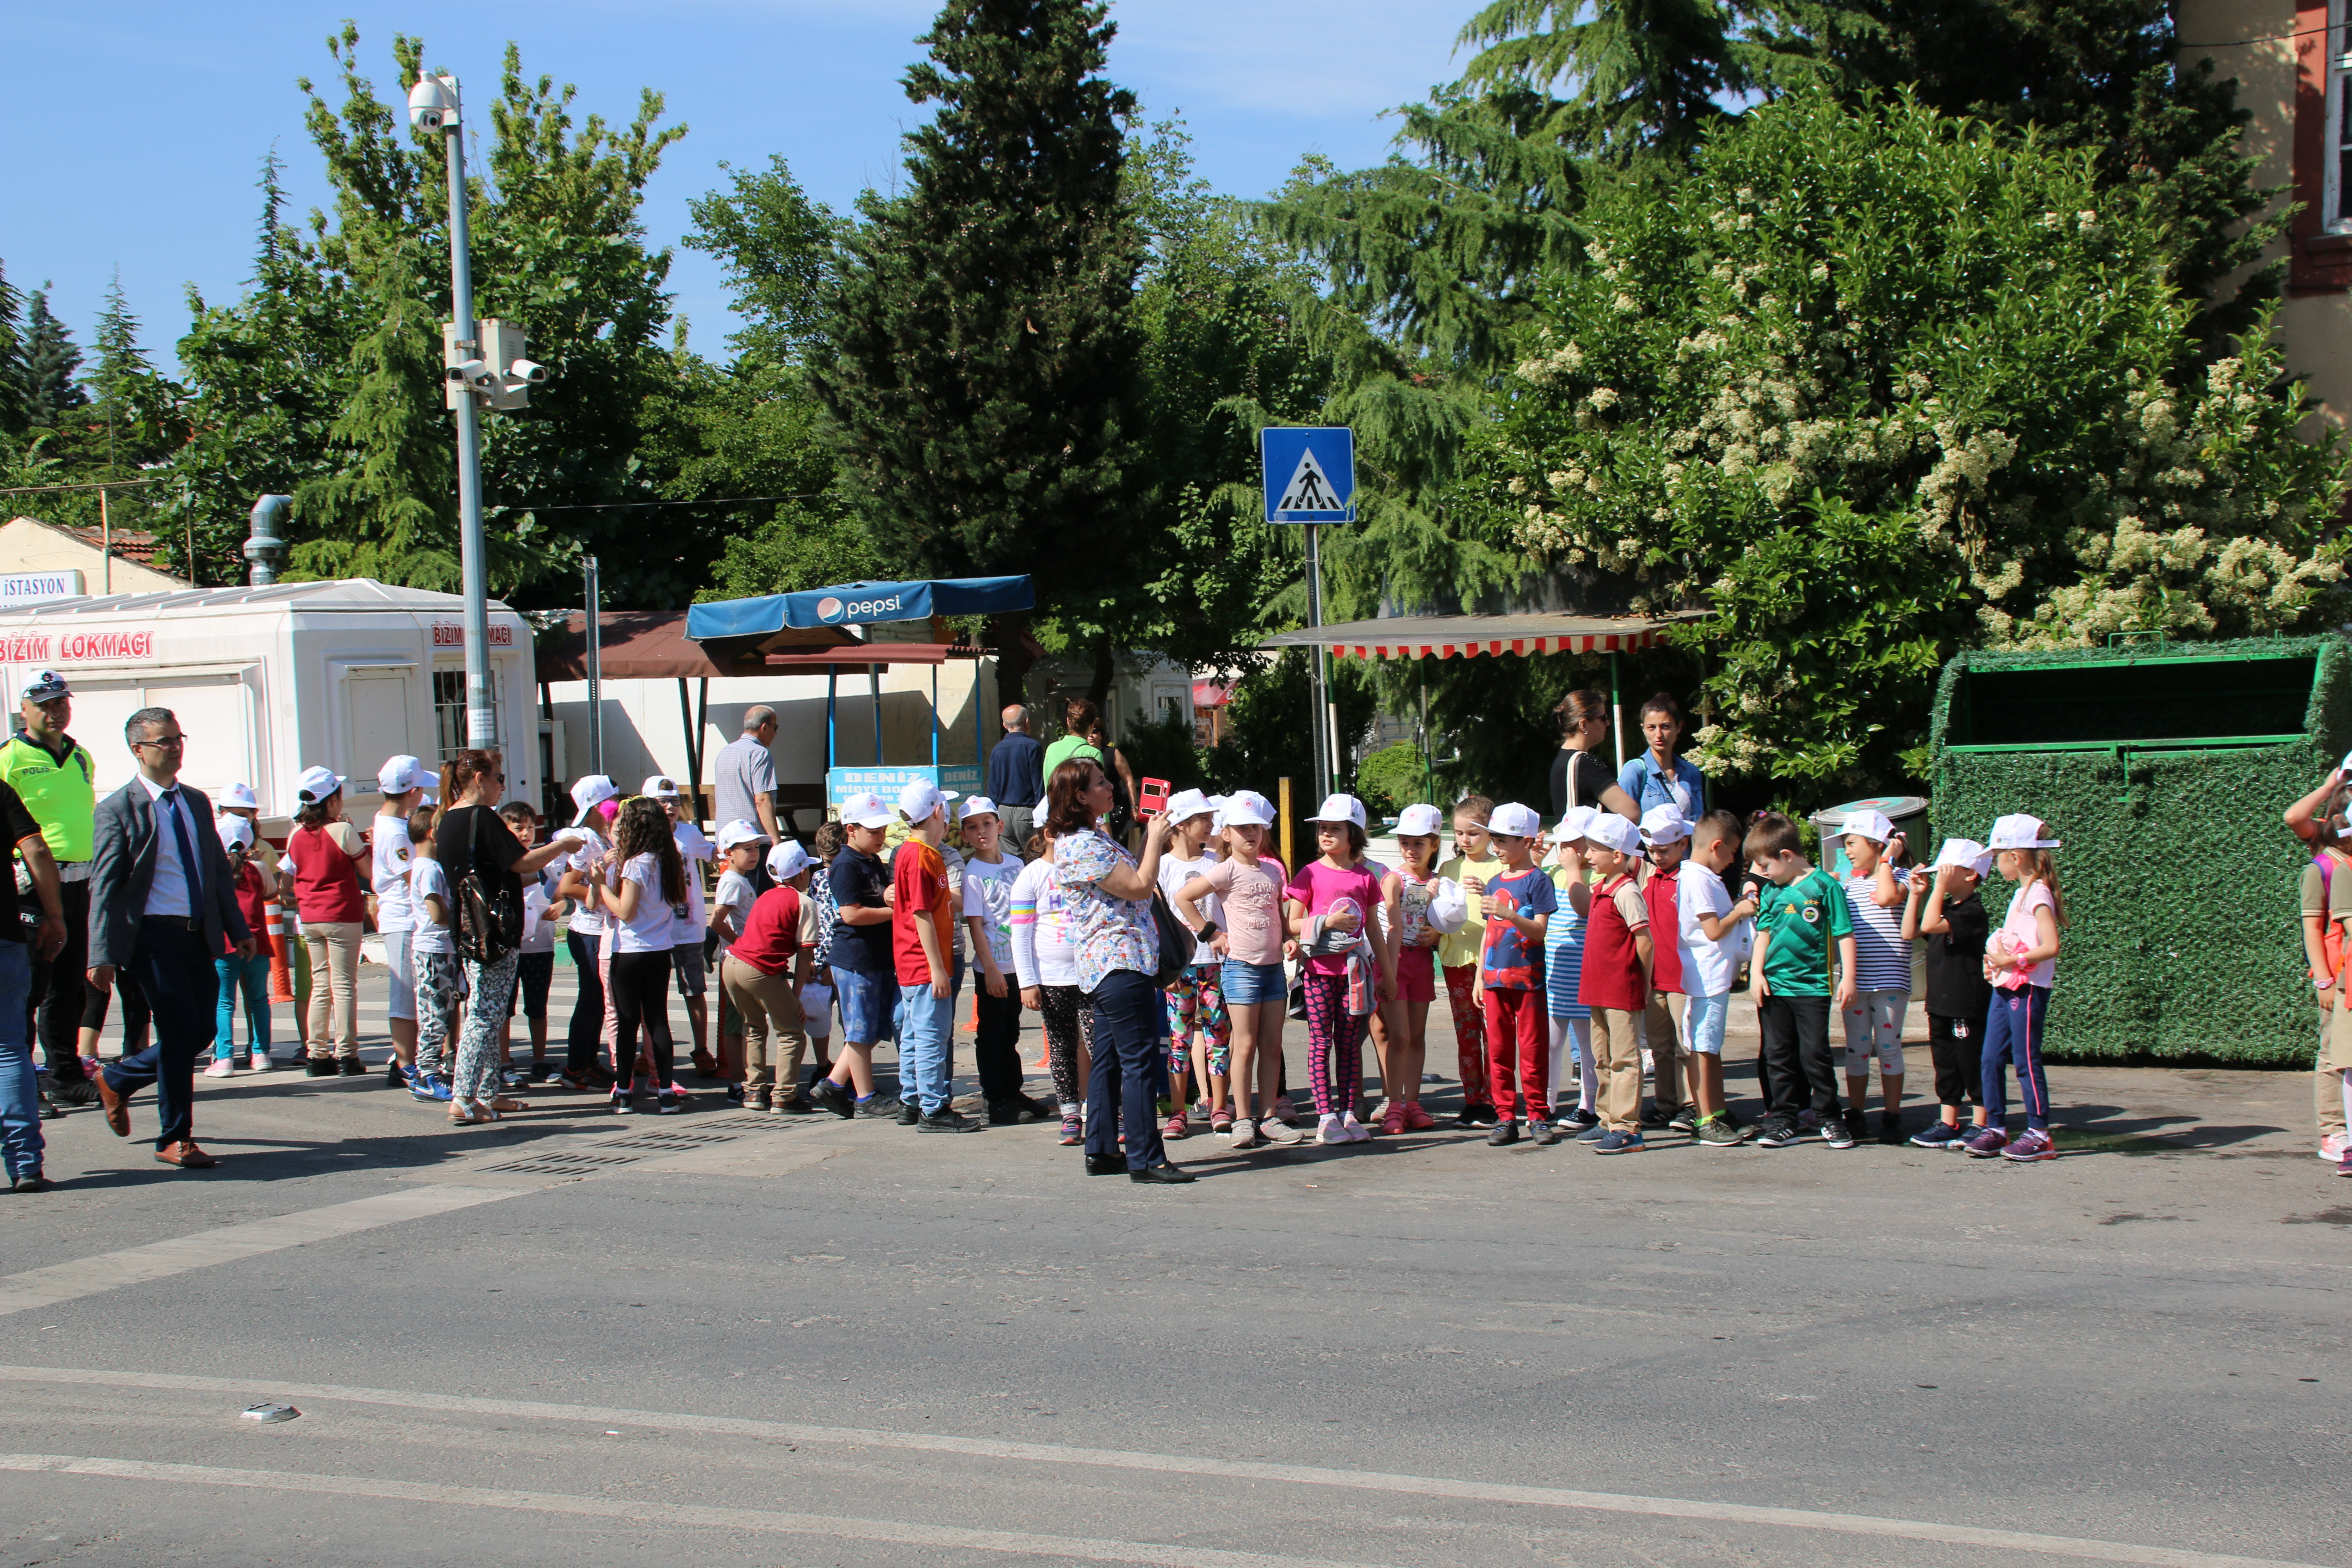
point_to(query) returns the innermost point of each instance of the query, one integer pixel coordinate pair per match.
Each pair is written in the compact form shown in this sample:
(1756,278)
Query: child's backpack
(2331,935)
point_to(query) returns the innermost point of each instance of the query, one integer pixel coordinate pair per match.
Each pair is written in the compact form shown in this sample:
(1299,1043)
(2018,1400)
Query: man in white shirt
(162,904)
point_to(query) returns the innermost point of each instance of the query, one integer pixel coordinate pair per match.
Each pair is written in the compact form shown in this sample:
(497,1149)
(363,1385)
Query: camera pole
(481,714)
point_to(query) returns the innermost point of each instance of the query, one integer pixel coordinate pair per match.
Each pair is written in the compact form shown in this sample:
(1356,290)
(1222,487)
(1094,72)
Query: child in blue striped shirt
(1572,1020)
(1876,890)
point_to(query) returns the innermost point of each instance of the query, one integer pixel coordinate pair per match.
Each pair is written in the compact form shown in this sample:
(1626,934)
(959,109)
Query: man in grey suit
(164,905)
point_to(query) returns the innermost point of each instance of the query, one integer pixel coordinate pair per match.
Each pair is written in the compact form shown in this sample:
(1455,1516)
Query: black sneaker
(1890,1127)
(541,1072)
(880,1106)
(947,1118)
(1548,1132)
(75,1092)
(50,1110)
(1475,1116)
(32,1181)
(734,1095)
(1581,1117)
(1838,1132)
(1010,1113)
(797,1105)
(394,1074)
(320,1067)
(835,1098)
(351,1067)
(1507,1132)
(1684,1121)
(1654,1118)
(621,1103)
(910,1114)
(1776,1132)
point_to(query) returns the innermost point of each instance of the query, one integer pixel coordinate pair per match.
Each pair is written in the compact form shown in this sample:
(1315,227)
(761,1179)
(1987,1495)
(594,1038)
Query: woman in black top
(1580,777)
(473,784)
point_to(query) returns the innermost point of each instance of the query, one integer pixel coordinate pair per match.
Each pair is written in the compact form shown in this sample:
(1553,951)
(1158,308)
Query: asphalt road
(726,1339)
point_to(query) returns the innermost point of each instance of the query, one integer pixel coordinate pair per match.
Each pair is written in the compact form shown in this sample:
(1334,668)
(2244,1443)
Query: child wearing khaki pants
(763,973)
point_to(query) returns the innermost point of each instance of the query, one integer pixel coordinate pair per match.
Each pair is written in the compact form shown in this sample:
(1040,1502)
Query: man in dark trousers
(1017,779)
(163,904)
(55,777)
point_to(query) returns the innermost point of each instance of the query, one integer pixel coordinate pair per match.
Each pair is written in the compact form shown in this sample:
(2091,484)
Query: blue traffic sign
(1311,473)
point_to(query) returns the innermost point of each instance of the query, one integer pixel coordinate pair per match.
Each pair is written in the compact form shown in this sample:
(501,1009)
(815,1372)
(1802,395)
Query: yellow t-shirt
(1459,950)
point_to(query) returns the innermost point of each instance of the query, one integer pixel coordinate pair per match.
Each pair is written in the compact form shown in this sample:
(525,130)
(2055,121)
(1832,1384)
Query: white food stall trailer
(270,680)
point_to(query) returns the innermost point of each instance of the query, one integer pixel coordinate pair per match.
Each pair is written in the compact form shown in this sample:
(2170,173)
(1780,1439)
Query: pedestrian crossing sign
(1311,473)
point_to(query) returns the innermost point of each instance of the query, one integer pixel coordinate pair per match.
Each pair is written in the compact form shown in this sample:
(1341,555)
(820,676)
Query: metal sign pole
(595,672)
(1317,729)
(481,714)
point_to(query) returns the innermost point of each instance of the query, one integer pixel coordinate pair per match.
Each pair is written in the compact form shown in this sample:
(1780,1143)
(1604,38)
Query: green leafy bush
(1391,778)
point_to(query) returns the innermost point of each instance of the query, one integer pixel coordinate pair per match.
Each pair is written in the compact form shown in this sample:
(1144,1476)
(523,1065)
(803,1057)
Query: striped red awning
(1590,642)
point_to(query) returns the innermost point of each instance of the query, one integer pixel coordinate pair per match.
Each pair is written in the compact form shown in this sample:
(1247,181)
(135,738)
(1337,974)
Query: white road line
(1155,1553)
(1175,1464)
(157,1259)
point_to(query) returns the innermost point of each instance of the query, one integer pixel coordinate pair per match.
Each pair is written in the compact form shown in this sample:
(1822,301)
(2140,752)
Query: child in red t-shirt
(1615,981)
(1667,837)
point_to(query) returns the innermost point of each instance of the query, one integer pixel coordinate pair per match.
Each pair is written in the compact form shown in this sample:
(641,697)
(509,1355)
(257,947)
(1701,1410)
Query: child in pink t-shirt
(1329,902)
(2022,961)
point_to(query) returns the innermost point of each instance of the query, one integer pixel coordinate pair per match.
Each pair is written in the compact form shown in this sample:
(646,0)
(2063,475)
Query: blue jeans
(2013,1033)
(20,1099)
(252,976)
(1127,1069)
(923,1047)
(867,1002)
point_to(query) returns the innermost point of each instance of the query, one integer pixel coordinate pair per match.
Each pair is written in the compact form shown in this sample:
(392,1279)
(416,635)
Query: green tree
(1765,399)
(16,411)
(52,362)
(985,357)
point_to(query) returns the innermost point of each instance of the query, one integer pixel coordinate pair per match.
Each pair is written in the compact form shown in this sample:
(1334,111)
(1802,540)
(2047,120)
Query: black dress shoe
(1163,1175)
(351,1067)
(1106,1164)
(947,1118)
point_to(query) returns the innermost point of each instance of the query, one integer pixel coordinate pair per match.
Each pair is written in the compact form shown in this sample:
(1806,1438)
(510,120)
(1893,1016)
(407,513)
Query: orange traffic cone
(281,973)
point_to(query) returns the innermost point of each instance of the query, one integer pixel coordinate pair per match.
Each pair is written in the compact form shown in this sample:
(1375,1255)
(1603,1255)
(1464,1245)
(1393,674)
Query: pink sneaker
(1176,1128)
(1393,1122)
(2034,1143)
(1416,1119)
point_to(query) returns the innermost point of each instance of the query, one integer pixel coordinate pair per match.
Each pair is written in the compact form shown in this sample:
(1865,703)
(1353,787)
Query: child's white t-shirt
(538,926)
(427,880)
(988,898)
(648,930)
(585,921)
(1173,875)
(388,874)
(693,847)
(734,895)
(2025,933)
(1708,967)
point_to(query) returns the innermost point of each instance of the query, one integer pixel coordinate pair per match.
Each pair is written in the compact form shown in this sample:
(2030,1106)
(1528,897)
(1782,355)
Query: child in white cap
(1200,1035)
(1714,936)
(2022,961)
(1946,911)
(1571,1018)
(1408,888)
(986,902)
(1614,979)
(1875,891)
(1665,839)
(1327,905)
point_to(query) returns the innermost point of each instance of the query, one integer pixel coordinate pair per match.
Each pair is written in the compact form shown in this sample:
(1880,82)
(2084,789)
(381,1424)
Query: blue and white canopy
(857,604)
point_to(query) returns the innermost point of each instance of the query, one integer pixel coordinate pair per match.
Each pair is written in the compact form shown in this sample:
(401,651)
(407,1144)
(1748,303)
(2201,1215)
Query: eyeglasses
(164,742)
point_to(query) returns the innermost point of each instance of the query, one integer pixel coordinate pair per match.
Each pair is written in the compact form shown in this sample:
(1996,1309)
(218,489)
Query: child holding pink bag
(2022,963)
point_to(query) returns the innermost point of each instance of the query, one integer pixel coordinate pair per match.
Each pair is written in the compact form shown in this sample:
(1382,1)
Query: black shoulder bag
(489,918)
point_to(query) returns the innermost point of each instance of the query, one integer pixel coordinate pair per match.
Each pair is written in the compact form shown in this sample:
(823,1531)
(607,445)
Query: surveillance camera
(481,377)
(431,104)
(471,371)
(530,372)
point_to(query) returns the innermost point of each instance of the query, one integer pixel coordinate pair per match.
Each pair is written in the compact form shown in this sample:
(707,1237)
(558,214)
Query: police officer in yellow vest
(58,785)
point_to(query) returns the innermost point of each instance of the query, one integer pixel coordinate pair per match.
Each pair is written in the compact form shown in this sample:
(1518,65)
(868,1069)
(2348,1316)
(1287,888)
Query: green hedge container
(2163,768)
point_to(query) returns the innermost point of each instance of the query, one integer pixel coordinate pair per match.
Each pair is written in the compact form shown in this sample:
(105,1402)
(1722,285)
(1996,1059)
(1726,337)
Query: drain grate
(560,1162)
(678,1139)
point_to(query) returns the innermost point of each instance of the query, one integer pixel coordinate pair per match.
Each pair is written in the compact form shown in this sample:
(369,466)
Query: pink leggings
(1334,1035)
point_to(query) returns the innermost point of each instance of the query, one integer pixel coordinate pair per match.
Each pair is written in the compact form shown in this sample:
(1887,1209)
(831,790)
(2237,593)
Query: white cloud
(1304,59)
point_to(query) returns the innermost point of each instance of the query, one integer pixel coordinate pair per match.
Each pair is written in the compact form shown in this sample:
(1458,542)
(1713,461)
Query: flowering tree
(1872,384)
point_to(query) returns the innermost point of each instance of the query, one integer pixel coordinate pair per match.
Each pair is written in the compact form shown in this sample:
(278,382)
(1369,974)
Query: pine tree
(51,363)
(16,411)
(985,358)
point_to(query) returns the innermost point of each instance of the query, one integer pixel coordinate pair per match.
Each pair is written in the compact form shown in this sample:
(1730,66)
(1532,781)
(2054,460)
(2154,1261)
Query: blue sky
(141,124)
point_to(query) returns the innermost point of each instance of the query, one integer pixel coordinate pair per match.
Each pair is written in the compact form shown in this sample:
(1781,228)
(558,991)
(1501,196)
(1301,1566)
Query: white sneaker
(1244,1133)
(1352,1130)
(2332,1147)
(222,1068)
(1330,1130)
(260,1062)
(1272,1132)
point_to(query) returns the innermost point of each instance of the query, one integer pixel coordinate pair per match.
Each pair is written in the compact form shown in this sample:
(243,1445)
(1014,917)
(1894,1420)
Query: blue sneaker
(1936,1135)
(1619,1144)
(1593,1134)
(429,1086)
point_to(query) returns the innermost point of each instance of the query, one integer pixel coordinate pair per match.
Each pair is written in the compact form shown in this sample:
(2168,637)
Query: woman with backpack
(485,864)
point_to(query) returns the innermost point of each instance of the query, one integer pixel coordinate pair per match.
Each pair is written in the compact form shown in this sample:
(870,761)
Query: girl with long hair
(643,893)
(2022,963)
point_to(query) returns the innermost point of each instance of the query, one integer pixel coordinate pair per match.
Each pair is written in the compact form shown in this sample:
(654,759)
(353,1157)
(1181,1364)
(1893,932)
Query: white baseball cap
(1573,822)
(46,686)
(661,786)
(1340,808)
(2018,831)
(1216,814)
(1247,808)
(1419,822)
(1867,823)
(1512,820)
(240,795)
(867,810)
(235,831)
(316,785)
(591,792)
(402,774)
(1664,825)
(977,806)
(740,832)
(1188,803)
(921,798)
(1965,852)
(1611,831)
(788,861)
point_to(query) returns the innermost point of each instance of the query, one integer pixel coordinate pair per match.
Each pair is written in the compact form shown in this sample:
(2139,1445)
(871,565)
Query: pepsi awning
(859,603)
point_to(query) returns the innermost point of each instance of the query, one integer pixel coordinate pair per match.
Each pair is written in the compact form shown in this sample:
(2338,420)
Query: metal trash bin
(1907,812)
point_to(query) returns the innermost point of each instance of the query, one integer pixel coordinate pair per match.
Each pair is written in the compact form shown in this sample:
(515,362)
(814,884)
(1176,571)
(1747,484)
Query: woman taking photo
(1580,770)
(1117,951)
(326,852)
(471,839)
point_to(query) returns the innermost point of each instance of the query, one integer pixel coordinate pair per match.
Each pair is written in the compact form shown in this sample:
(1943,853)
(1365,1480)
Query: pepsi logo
(828,608)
